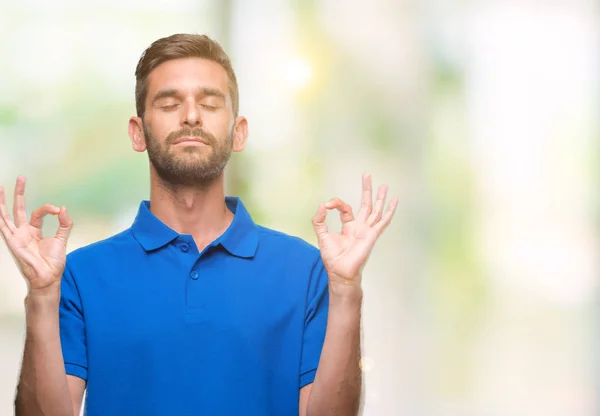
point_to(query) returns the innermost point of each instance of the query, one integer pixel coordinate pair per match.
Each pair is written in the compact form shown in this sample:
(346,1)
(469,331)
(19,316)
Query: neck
(199,211)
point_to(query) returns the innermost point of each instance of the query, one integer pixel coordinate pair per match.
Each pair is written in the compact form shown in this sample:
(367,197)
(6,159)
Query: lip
(190,140)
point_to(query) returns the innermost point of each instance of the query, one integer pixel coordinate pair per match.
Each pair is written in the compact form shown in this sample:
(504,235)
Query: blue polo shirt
(158,328)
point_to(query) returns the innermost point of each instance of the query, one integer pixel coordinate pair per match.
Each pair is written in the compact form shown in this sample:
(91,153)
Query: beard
(196,166)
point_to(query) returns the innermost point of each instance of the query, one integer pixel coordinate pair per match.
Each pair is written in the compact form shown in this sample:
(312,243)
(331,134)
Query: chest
(160,307)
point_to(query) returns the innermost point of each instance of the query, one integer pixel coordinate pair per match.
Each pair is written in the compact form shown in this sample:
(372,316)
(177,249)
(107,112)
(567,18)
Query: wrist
(345,289)
(42,299)
(345,295)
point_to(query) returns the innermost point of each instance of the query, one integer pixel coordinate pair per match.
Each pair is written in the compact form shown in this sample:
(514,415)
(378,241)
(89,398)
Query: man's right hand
(40,260)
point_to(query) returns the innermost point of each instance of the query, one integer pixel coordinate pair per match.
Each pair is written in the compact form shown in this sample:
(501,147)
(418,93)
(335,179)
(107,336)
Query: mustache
(190,132)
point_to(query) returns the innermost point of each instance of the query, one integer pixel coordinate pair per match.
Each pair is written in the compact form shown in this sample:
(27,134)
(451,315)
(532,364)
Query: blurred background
(481,298)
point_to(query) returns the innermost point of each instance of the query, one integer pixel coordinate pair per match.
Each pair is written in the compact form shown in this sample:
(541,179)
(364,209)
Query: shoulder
(278,242)
(101,250)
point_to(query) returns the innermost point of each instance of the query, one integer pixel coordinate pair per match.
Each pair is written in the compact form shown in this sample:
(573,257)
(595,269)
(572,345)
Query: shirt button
(194,275)
(185,248)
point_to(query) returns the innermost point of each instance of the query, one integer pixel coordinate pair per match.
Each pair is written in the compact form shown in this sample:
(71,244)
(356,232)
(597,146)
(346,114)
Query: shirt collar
(240,238)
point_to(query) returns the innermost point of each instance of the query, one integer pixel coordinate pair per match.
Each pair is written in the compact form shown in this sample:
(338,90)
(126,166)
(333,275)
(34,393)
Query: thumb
(65,226)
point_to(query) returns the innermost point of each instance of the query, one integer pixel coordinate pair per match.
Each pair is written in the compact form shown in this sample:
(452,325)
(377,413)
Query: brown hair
(175,47)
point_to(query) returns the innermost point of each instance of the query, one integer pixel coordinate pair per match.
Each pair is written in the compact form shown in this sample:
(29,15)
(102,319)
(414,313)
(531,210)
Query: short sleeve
(315,323)
(72,327)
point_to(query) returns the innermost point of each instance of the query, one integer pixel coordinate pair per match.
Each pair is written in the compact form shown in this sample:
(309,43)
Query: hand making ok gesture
(40,260)
(345,253)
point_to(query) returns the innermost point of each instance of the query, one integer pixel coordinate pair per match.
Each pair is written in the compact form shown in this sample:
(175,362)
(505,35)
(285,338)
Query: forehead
(188,74)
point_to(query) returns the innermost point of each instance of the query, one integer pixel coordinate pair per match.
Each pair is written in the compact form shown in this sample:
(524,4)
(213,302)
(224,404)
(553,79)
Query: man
(194,310)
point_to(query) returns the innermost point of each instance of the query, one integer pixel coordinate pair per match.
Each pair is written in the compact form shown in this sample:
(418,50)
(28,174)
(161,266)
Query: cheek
(160,128)
(218,124)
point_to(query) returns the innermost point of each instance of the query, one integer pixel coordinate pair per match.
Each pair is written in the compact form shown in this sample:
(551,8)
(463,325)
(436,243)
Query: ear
(240,133)
(136,134)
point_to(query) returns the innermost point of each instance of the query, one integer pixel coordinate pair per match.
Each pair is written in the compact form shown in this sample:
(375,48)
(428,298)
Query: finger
(5,231)
(37,216)
(8,227)
(367,198)
(319,222)
(65,226)
(387,217)
(378,207)
(19,203)
(346,214)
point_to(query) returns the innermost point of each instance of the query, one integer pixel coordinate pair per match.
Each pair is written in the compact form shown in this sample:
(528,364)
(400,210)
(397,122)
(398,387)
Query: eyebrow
(205,91)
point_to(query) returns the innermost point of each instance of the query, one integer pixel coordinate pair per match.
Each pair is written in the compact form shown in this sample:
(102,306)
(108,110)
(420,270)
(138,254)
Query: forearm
(43,388)
(338,381)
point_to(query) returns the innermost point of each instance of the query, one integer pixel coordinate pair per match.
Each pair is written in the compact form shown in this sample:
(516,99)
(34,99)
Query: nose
(191,115)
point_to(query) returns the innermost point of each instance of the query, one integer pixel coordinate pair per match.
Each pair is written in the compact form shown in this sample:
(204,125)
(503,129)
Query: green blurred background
(481,116)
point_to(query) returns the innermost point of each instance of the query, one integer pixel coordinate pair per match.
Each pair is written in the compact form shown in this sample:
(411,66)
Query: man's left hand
(345,253)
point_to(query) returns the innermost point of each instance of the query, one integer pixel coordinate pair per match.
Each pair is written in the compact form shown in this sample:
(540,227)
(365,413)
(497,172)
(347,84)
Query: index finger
(346,214)
(37,216)
(19,202)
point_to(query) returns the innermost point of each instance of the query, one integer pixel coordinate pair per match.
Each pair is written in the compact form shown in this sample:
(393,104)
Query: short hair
(178,46)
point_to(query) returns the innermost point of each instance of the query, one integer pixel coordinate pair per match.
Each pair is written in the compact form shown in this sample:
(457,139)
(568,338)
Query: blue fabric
(157,328)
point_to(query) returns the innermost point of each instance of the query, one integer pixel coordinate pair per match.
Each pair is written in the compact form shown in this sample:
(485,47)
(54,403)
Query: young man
(195,309)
